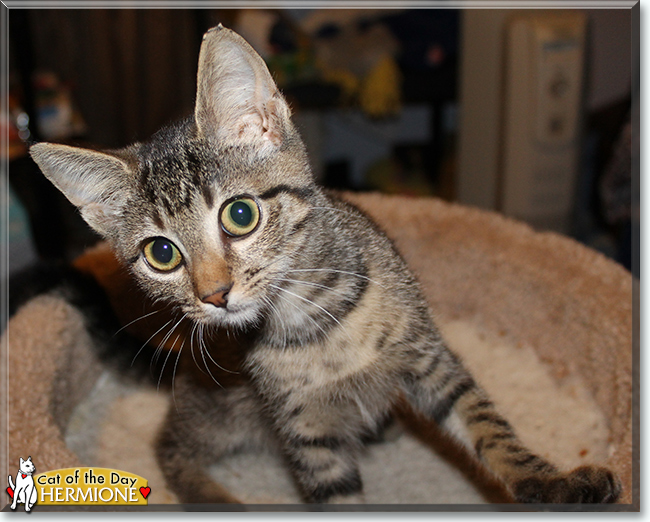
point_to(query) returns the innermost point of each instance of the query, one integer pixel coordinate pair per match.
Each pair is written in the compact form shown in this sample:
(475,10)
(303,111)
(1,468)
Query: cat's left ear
(96,182)
(237,100)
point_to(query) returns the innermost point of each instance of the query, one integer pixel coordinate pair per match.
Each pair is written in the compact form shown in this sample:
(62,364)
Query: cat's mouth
(232,314)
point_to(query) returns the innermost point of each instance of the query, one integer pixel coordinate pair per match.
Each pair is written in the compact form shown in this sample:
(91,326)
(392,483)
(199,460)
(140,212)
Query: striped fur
(338,327)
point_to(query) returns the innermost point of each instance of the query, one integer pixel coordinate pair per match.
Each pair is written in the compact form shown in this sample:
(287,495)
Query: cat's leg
(202,426)
(321,442)
(325,469)
(440,387)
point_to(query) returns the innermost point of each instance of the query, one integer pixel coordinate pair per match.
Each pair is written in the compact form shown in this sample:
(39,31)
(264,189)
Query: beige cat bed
(544,323)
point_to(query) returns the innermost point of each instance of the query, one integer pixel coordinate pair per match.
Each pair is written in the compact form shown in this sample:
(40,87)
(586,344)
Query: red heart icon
(145,491)
(10,491)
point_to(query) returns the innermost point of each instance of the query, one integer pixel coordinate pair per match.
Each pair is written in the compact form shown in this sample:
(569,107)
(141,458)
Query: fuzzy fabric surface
(544,323)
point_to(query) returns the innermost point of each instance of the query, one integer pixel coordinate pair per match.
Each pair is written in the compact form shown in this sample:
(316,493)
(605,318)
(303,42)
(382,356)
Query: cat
(24,491)
(220,215)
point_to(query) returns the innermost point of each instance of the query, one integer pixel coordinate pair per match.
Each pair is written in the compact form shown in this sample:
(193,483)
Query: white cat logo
(24,491)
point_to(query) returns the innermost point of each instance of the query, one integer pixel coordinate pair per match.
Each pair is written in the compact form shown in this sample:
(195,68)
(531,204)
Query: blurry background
(526,112)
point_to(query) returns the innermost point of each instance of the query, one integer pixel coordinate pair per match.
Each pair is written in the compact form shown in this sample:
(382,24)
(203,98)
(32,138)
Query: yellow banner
(90,486)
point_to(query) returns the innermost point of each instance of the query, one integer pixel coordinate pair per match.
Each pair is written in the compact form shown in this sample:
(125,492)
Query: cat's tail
(11,483)
(45,279)
(112,343)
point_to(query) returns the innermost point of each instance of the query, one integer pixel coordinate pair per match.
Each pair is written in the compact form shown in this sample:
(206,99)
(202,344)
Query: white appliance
(542,107)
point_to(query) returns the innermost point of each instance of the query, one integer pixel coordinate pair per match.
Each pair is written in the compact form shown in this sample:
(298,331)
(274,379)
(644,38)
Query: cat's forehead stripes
(175,168)
(168,183)
(299,192)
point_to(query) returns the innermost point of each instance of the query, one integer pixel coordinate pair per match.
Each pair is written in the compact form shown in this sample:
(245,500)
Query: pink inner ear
(236,93)
(273,122)
(273,136)
(252,123)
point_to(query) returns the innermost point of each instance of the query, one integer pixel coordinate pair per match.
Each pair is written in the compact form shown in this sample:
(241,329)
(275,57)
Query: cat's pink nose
(219,298)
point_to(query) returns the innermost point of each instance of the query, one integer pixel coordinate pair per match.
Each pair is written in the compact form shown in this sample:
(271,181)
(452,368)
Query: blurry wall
(608,79)
(610,57)
(130,70)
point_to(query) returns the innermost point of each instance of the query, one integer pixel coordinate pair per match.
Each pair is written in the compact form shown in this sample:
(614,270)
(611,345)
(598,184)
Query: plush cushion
(538,317)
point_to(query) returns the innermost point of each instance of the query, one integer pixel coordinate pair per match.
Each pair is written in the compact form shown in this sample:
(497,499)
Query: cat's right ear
(95,182)
(237,101)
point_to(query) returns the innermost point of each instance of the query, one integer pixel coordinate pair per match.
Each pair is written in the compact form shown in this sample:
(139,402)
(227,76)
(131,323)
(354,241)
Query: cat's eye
(239,216)
(162,254)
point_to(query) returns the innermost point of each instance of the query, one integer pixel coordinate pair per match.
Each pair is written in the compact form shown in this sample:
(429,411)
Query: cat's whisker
(161,346)
(170,351)
(278,316)
(347,334)
(200,343)
(263,272)
(309,283)
(333,270)
(136,320)
(200,335)
(307,301)
(203,349)
(149,340)
(152,364)
(178,357)
(301,311)
(154,360)
(194,330)
(216,363)
(158,350)
(293,256)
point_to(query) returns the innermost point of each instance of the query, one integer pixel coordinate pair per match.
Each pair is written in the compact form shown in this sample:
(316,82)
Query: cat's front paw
(587,484)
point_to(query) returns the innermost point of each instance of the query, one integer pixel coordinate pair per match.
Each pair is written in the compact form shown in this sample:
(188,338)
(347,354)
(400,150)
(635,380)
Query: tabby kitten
(220,215)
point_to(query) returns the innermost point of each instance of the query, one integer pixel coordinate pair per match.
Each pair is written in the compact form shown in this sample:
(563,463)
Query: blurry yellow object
(380,89)
(347,81)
